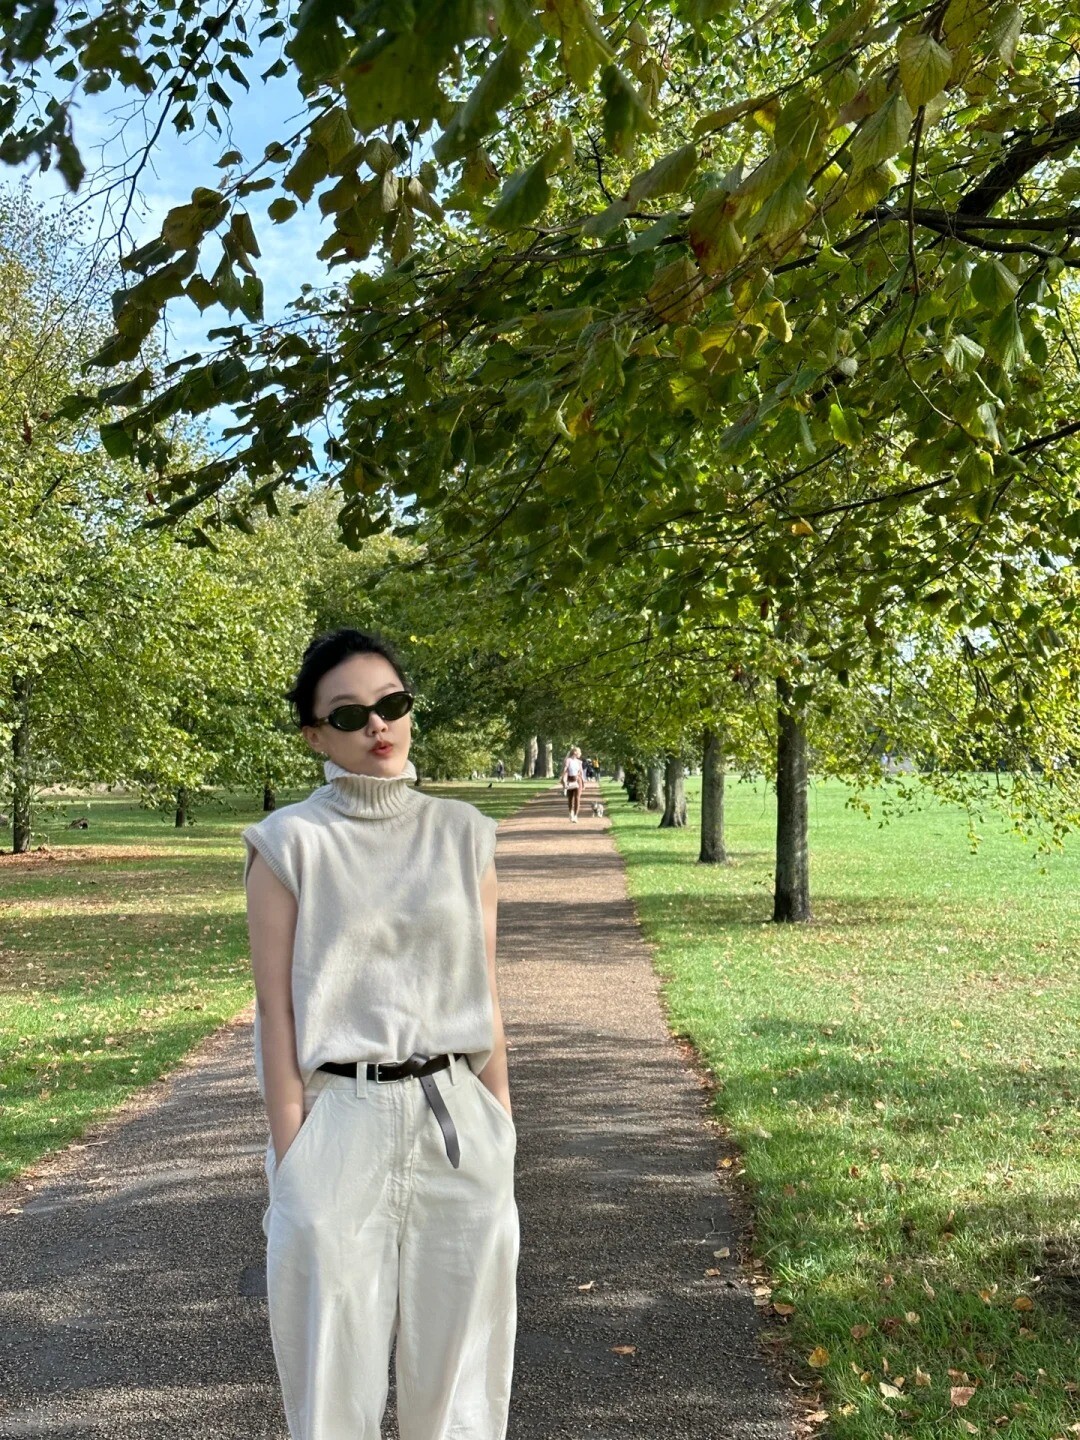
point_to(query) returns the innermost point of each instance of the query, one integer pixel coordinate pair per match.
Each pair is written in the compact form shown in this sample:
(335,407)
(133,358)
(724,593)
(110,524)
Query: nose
(376,724)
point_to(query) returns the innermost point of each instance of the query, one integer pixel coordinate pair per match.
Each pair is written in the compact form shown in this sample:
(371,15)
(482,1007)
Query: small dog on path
(598,809)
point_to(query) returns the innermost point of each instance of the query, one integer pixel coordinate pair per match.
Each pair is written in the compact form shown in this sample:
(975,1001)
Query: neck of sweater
(368,797)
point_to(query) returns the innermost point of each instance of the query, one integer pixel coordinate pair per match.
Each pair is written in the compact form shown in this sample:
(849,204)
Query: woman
(381,1058)
(573,781)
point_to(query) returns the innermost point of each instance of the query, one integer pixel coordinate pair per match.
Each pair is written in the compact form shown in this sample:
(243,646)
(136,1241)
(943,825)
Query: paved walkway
(131,1282)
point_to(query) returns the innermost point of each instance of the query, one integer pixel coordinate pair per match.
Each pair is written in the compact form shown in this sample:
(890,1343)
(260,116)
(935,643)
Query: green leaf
(786,209)
(626,116)
(670,175)
(498,85)
(517,20)
(185,225)
(201,291)
(1005,339)
(962,354)
(380,155)
(334,132)
(523,198)
(993,284)
(925,67)
(845,427)
(307,170)
(420,200)
(117,441)
(32,33)
(281,209)
(1004,30)
(582,46)
(883,135)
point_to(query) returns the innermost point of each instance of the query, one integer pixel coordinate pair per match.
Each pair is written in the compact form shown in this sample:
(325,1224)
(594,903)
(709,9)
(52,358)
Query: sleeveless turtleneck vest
(389,955)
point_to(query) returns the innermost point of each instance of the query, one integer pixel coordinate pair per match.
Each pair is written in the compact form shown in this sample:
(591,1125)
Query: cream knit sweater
(389,955)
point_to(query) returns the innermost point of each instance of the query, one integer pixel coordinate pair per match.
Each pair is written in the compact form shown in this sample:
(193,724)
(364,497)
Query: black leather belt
(423,1067)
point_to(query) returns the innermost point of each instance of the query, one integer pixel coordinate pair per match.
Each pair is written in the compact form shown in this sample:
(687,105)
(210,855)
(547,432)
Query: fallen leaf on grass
(624,1349)
(921,1377)
(890,1390)
(959,1395)
(818,1358)
(782,1308)
(714,1272)
(860,1332)
(722,1254)
(1023,1302)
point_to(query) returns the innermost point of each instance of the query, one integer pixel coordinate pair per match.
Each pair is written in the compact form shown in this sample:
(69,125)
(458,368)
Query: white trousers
(373,1235)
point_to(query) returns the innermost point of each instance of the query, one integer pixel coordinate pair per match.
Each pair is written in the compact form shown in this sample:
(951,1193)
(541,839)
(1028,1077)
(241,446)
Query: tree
(713,848)
(674,816)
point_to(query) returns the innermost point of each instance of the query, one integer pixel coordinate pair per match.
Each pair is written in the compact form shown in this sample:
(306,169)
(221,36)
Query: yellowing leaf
(582,45)
(890,1390)
(668,176)
(959,1395)
(786,210)
(676,294)
(925,67)
(712,233)
(802,527)
(1023,1302)
(818,1358)
(717,119)
(883,135)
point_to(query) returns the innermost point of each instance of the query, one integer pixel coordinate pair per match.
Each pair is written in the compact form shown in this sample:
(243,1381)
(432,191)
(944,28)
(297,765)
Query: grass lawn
(902,1078)
(120,951)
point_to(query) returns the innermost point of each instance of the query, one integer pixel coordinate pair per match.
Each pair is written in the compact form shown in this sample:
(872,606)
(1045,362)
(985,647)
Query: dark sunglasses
(355,717)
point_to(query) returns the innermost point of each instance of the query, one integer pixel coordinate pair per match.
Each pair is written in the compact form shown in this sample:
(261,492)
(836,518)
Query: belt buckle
(378,1078)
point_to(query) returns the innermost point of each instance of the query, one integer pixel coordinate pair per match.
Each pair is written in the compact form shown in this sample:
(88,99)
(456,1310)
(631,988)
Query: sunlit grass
(901,1077)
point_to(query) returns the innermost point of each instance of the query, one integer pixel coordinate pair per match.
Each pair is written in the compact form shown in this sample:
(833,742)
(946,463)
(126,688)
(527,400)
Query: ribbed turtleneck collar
(368,797)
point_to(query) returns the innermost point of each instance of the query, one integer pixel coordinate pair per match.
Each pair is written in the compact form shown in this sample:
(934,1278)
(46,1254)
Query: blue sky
(109,130)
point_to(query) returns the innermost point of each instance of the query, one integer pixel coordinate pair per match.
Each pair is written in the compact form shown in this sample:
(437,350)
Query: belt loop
(361,1080)
(453,1062)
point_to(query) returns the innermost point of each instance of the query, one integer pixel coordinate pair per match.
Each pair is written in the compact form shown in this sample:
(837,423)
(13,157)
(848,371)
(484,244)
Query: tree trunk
(792,898)
(542,768)
(529,763)
(634,782)
(181,807)
(618,775)
(674,816)
(713,850)
(20,767)
(655,796)
(269,798)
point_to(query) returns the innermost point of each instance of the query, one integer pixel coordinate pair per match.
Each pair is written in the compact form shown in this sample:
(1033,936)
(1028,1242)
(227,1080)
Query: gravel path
(131,1278)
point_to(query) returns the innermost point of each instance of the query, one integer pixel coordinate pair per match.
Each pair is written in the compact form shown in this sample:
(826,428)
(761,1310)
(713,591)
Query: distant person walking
(500,770)
(573,782)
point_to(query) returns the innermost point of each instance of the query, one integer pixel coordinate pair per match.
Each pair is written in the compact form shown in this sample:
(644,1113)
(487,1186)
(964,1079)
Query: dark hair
(323,653)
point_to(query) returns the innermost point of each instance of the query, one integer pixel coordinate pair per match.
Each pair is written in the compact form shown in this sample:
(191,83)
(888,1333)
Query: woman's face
(382,746)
